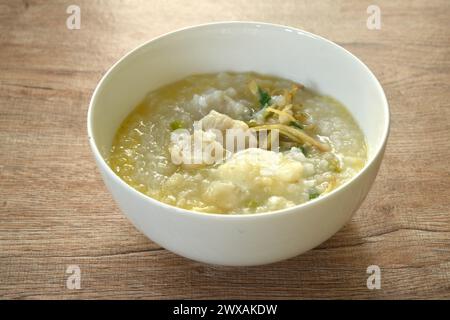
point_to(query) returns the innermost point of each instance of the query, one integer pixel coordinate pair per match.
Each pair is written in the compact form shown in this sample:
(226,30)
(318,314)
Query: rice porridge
(299,145)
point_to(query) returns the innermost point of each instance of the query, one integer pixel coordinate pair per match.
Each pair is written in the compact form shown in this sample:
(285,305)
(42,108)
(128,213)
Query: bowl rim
(232,216)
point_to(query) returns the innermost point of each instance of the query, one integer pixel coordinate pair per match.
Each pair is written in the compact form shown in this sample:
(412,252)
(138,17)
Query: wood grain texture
(55,211)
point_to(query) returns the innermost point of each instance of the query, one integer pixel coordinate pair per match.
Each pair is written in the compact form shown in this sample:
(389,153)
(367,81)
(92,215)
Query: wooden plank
(55,211)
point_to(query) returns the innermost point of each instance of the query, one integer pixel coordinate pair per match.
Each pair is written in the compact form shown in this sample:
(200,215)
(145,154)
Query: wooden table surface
(56,212)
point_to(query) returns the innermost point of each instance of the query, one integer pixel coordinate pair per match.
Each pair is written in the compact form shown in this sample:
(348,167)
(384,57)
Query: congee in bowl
(237,143)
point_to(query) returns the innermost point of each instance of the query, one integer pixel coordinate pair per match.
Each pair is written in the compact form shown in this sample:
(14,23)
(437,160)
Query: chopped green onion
(296,124)
(177,124)
(264,97)
(313,193)
(304,150)
(252,204)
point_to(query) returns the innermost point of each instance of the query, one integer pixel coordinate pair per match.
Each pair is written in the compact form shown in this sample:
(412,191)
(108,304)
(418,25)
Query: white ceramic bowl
(240,46)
